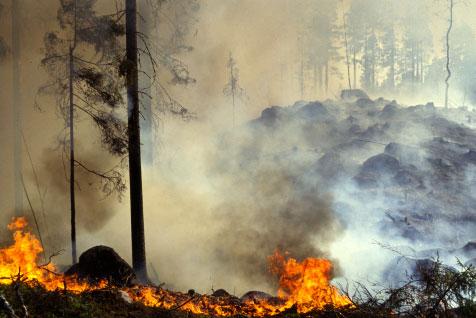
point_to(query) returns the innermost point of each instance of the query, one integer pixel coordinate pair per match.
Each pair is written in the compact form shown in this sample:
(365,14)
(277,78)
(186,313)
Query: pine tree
(82,60)
(233,88)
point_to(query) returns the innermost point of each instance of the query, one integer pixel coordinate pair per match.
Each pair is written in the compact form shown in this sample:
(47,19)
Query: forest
(238,158)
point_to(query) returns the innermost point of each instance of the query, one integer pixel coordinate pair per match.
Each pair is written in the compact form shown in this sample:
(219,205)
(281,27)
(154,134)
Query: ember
(303,285)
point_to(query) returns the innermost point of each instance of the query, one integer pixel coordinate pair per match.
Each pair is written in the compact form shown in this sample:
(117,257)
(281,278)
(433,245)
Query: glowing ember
(303,284)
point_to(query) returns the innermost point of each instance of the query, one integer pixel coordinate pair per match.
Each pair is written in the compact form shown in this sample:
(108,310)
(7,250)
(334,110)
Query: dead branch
(7,308)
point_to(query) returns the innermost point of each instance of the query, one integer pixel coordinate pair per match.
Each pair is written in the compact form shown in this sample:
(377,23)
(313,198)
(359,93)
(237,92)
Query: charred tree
(72,180)
(448,70)
(145,84)
(135,174)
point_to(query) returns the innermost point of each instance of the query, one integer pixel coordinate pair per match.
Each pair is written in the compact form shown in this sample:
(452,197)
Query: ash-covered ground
(400,182)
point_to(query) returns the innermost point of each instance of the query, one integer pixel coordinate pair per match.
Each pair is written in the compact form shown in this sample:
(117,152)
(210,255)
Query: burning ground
(304,286)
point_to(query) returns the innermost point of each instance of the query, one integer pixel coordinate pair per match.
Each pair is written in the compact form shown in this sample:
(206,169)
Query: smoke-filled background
(221,197)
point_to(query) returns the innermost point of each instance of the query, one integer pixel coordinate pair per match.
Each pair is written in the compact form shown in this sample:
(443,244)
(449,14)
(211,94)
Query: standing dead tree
(346,45)
(448,70)
(135,175)
(233,88)
(82,60)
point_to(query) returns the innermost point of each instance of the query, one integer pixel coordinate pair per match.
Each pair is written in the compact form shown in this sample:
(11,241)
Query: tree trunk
(448,70)
(135,173)
(17,107)
(327,78)
(346,46)
(72,198)
(355,68)
(145,86)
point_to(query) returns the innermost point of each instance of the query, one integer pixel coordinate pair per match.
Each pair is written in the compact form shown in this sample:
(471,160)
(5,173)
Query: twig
(184,303)
(6,307)
(32,211)
(20,296)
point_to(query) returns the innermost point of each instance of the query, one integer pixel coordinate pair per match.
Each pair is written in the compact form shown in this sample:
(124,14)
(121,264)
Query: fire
(304,285)
(20,260)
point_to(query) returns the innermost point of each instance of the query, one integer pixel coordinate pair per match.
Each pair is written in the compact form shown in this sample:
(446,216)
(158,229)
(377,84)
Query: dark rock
(255,295)
(389,110)
(271,115)
(470,156)
(102,263)
(220,293)
(470,247)
(381,164)
(353,94)
(365,102)
(314,110)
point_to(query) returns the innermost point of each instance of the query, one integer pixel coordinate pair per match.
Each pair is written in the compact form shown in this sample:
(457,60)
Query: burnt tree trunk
(448,70)
(71,157)
(145,85)
(135,173)
(72,177)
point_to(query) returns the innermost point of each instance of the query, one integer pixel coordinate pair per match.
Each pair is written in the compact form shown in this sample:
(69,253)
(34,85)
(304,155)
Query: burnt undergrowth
(433,290)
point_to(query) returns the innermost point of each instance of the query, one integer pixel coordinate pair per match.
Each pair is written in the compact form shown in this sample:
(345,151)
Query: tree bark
(71,158)
(145,81)
(135,173)
(72,177)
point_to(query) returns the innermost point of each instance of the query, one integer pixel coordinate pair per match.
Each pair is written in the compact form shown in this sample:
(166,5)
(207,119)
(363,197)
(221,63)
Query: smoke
(218,202)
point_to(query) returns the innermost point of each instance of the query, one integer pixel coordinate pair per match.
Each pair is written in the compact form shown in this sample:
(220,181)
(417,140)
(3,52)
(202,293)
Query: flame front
(305,285)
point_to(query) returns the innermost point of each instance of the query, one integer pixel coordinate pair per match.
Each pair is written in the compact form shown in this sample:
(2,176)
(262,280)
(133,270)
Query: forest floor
(108,303)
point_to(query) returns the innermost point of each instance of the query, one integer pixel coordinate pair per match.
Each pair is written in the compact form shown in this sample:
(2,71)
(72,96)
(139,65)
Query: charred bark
(135,174)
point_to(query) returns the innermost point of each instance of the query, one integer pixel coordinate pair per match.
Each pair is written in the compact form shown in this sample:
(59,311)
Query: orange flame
(304,284)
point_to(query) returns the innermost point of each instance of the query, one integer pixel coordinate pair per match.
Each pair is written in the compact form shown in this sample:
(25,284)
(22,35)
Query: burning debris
(304,286)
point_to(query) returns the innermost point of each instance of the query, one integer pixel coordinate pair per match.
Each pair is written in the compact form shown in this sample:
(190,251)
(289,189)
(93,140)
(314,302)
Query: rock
(353,94)
(469,248)
(220,293)
(313,111)
(255,295)
(102,263)
(389,110)
(365,102)
(272,115)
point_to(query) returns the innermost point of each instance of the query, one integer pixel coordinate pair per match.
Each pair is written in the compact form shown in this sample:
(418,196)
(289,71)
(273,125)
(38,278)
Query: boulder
(255,296)
(314,110)
(102,263)
(353,94)
(220,293)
